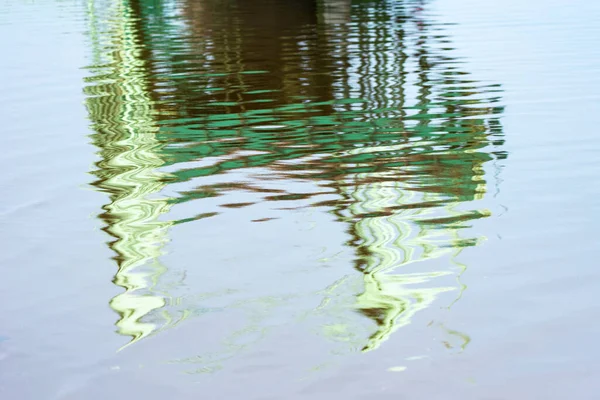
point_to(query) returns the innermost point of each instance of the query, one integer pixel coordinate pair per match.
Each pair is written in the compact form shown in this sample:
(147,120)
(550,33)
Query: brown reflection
(258,53)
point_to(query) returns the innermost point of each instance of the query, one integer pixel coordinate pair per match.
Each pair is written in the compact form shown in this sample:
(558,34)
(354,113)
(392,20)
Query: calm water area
(299,199)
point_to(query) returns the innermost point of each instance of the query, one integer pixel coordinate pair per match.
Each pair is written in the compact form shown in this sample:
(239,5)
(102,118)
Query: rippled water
(299,199)
(372,121)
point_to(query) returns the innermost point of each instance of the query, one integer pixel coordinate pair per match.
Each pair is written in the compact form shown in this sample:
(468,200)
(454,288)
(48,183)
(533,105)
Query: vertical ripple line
(123,118)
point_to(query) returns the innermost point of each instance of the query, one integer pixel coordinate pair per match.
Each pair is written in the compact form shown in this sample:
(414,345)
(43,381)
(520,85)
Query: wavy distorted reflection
(123,116)
(406,209)
(363,98)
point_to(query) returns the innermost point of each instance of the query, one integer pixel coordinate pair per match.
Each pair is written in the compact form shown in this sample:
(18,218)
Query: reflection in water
(364,99)
(406,208)
(123,117)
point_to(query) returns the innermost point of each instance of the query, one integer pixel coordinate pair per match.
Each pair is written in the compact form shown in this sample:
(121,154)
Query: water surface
(353,199)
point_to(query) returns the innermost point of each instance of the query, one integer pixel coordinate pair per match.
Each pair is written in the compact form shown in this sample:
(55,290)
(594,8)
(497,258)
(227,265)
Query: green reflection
(123,117)
(409,212)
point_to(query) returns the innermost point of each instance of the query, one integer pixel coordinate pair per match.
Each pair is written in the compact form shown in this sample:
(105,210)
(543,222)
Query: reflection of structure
(376,109)
(404,209)
(122,114)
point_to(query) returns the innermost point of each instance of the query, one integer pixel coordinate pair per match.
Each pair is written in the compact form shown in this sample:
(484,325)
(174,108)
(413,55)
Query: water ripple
(366,100)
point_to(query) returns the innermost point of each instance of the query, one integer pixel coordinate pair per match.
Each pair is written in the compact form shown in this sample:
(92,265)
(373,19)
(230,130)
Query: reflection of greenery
(123,116)
(305,100)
